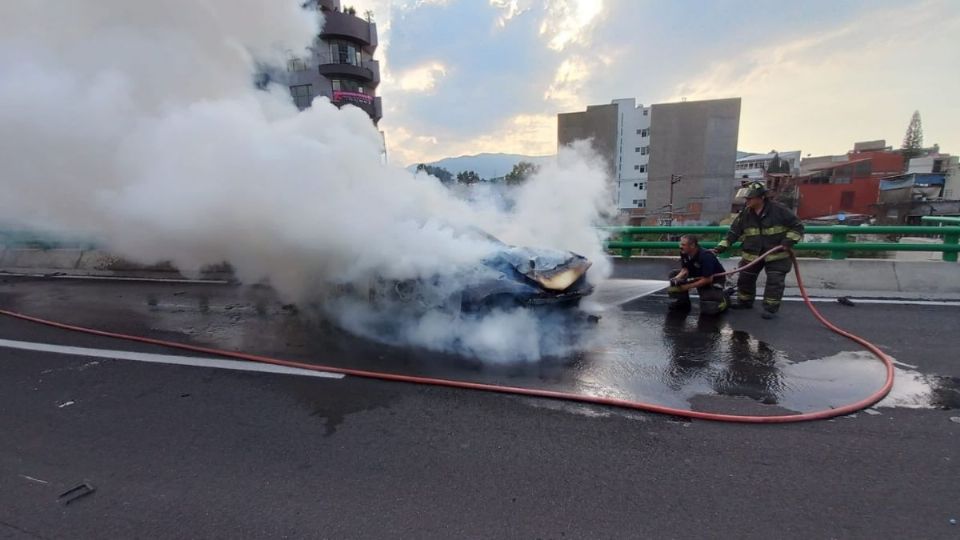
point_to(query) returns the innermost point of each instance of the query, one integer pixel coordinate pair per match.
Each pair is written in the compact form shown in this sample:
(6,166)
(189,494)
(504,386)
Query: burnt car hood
(553,270)
(527,276)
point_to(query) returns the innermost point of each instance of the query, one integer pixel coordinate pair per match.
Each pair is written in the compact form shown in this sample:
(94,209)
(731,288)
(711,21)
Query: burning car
(509,276)
(522,276)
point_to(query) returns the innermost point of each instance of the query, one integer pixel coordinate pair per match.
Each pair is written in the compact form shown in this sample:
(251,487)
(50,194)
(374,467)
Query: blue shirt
(703,264)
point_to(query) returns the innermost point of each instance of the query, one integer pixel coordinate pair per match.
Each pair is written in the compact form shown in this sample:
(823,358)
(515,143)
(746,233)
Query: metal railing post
(952,238)
(837,252)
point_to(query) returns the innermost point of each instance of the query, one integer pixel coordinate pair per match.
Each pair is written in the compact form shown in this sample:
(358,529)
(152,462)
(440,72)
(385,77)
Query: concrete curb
(931,278)
(96,263)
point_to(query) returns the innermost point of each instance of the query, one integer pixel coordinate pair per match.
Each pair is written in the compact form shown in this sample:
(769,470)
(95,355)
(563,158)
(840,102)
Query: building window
(644,132)
(644,150)
(343,52)
(642,185)
(347,85)
(643,168)
(646,112)
(637,149)
(639,132)
(296,64)
(302,95)
(636,167)
(846,200)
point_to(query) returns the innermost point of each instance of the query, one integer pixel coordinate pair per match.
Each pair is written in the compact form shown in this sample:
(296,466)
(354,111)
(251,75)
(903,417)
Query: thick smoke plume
(137,123)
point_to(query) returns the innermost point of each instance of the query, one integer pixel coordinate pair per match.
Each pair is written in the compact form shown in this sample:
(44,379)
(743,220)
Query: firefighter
(698,268)
(762,225)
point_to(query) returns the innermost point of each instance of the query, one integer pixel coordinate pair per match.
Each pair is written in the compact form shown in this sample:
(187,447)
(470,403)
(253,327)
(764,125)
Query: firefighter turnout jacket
(775,225)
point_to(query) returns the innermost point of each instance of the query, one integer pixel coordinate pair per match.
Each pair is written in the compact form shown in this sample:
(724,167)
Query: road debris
(955,419)
(75,493)
(66,404)
(845,300)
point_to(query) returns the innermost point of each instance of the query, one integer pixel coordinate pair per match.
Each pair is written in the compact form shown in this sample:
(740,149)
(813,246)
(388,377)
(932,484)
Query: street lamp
(674,179)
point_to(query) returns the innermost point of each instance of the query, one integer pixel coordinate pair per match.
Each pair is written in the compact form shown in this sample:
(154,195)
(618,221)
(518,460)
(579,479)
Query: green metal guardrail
(36,240)
(838,246)
(941,219)
(623,238)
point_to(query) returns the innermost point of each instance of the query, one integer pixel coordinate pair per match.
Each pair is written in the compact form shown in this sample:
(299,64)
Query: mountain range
(486,165)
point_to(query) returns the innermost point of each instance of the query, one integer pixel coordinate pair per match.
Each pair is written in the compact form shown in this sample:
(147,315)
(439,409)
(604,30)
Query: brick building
(851,186)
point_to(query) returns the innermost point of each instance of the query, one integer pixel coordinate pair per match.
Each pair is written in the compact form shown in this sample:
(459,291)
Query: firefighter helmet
(756,189)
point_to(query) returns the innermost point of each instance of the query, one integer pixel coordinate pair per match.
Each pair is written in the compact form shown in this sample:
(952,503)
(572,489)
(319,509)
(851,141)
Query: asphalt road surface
(170,445)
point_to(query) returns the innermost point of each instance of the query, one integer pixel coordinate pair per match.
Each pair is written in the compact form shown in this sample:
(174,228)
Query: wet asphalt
(175,451)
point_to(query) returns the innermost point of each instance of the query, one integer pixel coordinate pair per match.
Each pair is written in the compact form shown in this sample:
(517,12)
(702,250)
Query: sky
(470,76)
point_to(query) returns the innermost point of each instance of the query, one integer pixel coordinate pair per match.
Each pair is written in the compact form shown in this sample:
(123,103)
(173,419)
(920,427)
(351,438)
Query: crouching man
(698,267)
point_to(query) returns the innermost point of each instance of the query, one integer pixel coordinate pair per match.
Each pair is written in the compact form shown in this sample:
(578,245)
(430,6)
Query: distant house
(851,186)
(776,170)
(905,198)
(753,167)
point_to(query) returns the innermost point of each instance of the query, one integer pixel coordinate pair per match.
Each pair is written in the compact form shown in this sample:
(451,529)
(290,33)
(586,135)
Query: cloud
(422,78)
(511,9)
(822,92)
(534,134)
(568,84)
(568,21)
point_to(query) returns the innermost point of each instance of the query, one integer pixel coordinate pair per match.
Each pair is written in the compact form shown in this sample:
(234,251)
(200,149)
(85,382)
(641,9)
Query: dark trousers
(776,281)
(712,298)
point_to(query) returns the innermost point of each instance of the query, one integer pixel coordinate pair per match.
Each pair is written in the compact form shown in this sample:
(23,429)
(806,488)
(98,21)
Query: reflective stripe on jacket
(774,226)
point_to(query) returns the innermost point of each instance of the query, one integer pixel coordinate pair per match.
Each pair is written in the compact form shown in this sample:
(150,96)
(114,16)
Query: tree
(787,198)
(521,171)
(467,177)
(913,140)
(439,173)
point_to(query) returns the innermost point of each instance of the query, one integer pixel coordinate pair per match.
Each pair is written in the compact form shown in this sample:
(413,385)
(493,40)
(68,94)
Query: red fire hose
(626,404)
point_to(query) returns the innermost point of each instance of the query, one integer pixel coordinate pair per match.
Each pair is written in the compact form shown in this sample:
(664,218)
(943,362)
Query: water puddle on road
(682,361)
(835,378)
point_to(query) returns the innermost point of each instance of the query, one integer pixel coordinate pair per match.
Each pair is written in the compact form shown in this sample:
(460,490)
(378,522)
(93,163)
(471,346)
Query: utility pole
(674,178)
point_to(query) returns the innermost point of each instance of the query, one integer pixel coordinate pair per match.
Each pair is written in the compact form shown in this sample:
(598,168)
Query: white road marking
(32,479)
(888,301)
(166,359)
(119,278)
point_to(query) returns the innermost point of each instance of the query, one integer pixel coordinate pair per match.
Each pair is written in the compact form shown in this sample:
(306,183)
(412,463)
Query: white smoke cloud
(137,123)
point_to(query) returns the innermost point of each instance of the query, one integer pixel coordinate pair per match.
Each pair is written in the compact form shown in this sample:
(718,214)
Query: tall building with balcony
(340,65)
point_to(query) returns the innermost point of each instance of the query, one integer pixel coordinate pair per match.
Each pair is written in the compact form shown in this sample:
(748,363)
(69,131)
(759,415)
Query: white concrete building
(646,147)
(753,166)
(944,164)
(633,153)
